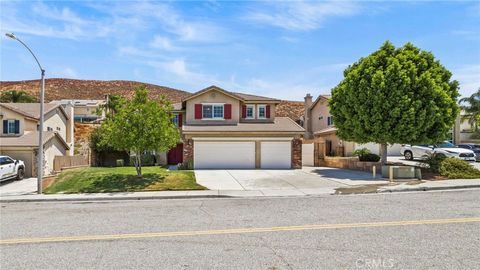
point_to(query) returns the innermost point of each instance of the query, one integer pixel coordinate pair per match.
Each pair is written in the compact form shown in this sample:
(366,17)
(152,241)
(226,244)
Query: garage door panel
(276,155)
(228,155)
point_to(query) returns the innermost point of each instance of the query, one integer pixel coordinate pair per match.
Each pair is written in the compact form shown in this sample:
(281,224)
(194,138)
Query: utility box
(401,172)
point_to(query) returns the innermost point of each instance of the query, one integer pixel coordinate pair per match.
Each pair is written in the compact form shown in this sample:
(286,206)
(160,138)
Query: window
(262,111)
(175,120)
(250,112)
(212,111)
(12,127)
(6,160)
(58,128)
(330,120)
(49,129)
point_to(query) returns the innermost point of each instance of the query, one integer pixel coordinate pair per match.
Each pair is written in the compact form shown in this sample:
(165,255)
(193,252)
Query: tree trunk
(138,164)
(383,153)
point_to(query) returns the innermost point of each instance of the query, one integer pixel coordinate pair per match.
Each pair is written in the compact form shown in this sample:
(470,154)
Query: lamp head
(11,35)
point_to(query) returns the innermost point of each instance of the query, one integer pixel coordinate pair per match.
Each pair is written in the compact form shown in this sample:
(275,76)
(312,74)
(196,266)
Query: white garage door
(224,155)
(276,155)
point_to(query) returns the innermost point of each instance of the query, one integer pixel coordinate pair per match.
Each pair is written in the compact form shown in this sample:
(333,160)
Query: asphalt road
(426,230)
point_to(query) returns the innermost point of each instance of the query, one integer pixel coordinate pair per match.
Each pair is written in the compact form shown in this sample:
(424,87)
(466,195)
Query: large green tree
(471,105)
(15,96)
(141,125)
(395,95)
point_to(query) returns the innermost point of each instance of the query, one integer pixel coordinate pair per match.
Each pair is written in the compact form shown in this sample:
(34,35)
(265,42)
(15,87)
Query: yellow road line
(237,231)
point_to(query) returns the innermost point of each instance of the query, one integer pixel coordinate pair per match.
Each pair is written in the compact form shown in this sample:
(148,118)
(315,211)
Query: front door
(175,155)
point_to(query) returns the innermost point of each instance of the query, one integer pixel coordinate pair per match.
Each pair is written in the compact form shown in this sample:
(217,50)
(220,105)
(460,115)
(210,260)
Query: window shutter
(244,111)
(267,113)
(5,126)
(17,126)
(198,111)
(180,120)
(227,111)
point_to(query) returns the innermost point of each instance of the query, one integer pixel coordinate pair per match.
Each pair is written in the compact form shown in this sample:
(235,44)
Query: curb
(427,188)
(133,198)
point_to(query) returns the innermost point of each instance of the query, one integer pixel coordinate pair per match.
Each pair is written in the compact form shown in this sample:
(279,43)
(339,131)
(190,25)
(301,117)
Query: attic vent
(212,95)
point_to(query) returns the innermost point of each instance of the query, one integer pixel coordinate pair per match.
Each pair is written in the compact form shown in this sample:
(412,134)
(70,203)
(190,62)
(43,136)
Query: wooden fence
(62,162)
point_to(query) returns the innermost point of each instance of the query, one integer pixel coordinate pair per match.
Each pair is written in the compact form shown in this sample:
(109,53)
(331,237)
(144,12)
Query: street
(424,230)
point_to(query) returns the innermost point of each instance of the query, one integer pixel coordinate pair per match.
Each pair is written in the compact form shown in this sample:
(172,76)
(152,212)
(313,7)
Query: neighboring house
(463,131)
(320,127)
(85,111)
(19,133)
(222,129)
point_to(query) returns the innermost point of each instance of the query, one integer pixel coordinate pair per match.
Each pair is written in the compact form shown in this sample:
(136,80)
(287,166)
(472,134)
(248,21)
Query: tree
(14,96)
(395,95)
(471,106)
(141,125)
(111,106)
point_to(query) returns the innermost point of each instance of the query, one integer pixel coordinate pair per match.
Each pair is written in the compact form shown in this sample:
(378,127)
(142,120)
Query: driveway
(305,180)
(14,188)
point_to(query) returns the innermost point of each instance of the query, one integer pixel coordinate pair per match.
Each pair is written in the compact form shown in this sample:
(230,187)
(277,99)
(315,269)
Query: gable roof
(32,110)
(320,97)
(239,96)
(31,139)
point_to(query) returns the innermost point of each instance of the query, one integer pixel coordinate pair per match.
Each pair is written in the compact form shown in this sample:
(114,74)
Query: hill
(95,89)
(89,89)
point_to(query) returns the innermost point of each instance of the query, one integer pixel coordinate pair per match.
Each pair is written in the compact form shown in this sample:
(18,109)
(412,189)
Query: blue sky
(280,49)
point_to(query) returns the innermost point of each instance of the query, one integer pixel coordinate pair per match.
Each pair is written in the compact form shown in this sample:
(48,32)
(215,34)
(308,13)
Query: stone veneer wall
(351,163)
(296,153)
(187,150)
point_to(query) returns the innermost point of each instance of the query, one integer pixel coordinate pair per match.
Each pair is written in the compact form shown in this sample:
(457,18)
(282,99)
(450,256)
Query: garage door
(224,155)
(276,155)
(25,156)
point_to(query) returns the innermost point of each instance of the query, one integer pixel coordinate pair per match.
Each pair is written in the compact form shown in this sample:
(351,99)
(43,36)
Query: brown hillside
(89,89)
(292,109)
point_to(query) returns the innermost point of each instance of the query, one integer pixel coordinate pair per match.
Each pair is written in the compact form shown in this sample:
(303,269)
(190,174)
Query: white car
(446,148)
(11,169)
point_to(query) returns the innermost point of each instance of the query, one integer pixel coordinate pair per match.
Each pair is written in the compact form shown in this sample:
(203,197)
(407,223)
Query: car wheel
(408,155)
(20,174)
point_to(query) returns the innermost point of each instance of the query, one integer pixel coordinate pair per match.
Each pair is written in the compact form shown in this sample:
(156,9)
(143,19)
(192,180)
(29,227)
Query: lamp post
(40,133)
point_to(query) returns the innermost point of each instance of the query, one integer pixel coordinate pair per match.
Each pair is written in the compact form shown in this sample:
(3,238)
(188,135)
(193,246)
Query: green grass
(122,179)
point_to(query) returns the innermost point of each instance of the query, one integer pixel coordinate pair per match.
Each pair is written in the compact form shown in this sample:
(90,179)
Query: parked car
(474,147)
(11,169)
(446,148)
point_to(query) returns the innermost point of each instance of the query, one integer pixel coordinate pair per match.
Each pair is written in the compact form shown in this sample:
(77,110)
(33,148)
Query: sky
(282,49)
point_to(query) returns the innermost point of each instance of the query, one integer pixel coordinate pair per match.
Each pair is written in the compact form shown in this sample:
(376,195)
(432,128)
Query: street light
(40,134)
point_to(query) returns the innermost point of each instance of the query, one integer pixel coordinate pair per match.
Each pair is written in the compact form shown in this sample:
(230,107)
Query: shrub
(186,165)
(146,159)
(457,168)
(369,157)
(361,152)
(434,161)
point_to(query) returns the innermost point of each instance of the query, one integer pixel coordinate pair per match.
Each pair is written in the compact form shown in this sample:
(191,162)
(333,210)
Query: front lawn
(122,179)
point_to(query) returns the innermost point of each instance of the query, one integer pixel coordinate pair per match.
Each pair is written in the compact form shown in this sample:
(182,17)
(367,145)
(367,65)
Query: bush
(434,161)
(361,152)
(186,165)
(146,159)
(457,168)
(369,157)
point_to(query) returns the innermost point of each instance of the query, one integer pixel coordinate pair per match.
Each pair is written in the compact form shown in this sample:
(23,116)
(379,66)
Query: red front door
(175,155)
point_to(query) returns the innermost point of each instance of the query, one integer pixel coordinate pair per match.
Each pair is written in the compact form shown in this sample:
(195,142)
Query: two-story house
(319,126)
(223,129)
(19,133)
(85,110)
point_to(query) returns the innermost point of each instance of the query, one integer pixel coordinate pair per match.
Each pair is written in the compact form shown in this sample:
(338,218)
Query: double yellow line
(236,231)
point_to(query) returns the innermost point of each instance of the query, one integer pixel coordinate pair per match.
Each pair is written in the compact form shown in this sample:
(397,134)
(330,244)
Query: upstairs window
(11,126)
(212,111)
(250,112)
(175,120)
(262,111)
(330,121)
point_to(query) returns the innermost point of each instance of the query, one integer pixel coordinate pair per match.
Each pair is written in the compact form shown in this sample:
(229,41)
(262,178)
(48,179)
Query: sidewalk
(380,188)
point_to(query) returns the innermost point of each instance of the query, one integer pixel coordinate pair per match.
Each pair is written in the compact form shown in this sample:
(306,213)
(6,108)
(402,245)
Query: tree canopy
(15,96)
(141,125)
(395,95)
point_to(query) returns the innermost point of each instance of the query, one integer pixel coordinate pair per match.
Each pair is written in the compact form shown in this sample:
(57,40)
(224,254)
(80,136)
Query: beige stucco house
(320,127)
(84,110)
(19,133)
(223,129)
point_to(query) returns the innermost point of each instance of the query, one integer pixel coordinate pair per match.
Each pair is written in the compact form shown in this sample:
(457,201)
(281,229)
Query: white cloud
(182,73)
(302,15)
(160,42)
(469,78)
(64,72)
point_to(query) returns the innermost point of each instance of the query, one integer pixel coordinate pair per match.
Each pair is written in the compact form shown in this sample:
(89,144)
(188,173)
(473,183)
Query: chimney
(307,118)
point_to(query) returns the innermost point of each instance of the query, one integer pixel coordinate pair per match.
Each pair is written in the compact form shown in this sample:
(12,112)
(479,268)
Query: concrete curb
(130,198)
(427,188)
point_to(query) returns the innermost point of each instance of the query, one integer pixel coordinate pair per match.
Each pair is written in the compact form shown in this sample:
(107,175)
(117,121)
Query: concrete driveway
(305,180)
(14,188)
